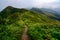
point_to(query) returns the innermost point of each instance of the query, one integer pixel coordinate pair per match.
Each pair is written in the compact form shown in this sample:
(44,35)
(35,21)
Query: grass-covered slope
(50,13)
(40,25)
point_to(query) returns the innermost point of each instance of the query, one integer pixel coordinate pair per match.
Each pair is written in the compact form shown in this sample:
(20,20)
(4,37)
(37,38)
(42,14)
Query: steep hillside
(41,26)
(13,14)
(50,13)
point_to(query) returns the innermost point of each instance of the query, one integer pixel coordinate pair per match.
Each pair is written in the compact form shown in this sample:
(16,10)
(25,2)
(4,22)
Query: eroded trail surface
(24,35)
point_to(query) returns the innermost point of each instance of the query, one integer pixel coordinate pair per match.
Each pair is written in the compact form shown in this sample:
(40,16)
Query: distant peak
(10,7)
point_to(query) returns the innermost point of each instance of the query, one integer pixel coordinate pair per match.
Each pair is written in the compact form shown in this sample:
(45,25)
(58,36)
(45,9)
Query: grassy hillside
(50,13)
(40,25)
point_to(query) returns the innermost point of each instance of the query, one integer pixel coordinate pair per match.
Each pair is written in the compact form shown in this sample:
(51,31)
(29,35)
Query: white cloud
(43,3)
(30,3)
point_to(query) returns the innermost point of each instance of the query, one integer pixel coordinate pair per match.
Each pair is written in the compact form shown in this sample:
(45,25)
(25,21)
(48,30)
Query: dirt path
(24,35)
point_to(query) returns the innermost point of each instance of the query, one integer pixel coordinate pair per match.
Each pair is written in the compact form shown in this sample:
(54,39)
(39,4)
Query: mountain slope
(50,13)
(40,25)
(10,13)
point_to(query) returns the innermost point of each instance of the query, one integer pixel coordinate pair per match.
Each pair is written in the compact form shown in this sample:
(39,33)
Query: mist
(30,3)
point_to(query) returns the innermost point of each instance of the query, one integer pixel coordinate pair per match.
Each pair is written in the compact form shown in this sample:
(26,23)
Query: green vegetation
(44,32)
(41,26)
(10,32)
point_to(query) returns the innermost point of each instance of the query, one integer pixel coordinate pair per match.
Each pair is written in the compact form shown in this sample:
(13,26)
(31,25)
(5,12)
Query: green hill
(41,26)
(50,13)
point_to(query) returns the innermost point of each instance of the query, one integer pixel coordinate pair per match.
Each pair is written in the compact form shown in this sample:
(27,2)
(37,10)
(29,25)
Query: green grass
(40,26)
(10,32)
(43,32)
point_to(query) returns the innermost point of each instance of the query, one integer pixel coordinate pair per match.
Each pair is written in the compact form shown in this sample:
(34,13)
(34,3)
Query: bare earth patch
(24,35)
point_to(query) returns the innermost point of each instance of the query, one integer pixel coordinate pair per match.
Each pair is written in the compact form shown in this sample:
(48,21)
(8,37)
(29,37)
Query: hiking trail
(25,35)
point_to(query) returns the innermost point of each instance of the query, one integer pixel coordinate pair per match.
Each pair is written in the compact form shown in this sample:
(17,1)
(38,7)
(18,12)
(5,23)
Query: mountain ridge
(48,11)
(30,14)
(41,25)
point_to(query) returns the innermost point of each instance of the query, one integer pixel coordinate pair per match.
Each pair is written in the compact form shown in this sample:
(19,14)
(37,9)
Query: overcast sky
(30,3)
